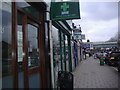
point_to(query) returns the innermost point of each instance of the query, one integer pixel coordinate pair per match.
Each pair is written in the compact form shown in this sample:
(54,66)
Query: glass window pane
(56,46)
(20,51)
(56,53)
(29,9)
(7,75)
(33,50)
(63,54)
(67,52)
(34,80)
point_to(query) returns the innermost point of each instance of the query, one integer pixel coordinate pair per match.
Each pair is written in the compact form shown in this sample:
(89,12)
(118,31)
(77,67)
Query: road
(89,74)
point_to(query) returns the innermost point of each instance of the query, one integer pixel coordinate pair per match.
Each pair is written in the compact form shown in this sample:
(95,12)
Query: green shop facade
(61,39)
(60,12)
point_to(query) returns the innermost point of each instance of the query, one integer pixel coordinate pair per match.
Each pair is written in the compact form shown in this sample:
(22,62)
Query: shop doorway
(28,38)
(31,54)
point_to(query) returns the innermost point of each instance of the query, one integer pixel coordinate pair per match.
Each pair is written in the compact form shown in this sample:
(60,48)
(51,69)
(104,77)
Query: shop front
(24,45)
(61,37)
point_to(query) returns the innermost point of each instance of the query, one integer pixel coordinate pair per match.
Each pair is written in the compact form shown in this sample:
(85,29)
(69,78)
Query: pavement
(89,74)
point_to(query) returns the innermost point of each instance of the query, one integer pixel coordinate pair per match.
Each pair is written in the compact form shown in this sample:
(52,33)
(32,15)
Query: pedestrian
(84,54)
(90,54)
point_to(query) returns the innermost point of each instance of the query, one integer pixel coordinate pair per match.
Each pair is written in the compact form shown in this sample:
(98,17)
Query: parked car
(98,55)
(114,58)
(118,67)
(95,55)
(107,57)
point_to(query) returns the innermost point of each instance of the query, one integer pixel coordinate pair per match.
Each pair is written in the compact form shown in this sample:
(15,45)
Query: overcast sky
(99,20)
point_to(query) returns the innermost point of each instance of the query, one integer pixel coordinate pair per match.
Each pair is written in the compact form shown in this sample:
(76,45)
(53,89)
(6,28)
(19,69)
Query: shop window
(29,9)
(67,52)
(7,75)
(56,46)
(33,50)
(34,81)
(20,51)
(63,51)
(56,53)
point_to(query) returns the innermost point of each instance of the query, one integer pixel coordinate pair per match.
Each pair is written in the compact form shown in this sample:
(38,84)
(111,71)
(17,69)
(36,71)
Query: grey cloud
(100,36)
(99,20)
(100,10)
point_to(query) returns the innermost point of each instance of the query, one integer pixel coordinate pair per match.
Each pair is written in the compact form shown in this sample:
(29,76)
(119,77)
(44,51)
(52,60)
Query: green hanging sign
(64,10)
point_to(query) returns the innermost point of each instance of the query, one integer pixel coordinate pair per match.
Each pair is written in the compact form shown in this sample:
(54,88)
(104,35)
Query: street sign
(77,37)
(64,10)
(77,31)
(83,36)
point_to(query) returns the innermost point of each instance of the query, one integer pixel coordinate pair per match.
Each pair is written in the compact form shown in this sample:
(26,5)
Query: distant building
(104,44)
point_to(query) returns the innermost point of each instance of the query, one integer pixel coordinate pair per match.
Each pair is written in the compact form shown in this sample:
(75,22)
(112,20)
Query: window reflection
(63,54)
(56,46)
(20,44)
(20,50)
(33,50)
(67,52)
(7,75)
(34,81)
(29,9)
(56,52)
